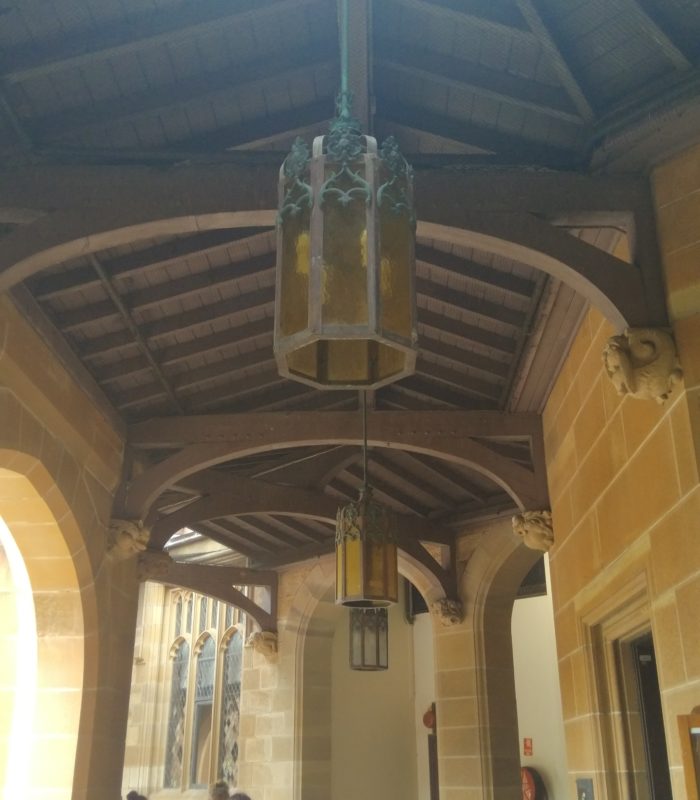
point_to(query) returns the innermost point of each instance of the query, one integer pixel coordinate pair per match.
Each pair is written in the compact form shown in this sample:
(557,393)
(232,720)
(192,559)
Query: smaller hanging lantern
(365,554)
(369,639)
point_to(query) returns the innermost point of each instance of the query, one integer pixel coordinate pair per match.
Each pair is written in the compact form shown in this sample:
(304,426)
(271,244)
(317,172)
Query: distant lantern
(345,313)
(369,639)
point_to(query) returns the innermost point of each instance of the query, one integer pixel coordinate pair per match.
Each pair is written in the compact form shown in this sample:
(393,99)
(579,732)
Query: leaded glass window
(176,718)
(203,614)
(178,616)
(190,608)
(202,721)
(229,616)
(230,710)
(214,613)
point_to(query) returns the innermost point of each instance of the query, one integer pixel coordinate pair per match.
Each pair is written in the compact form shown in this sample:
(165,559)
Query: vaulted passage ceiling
(181,324)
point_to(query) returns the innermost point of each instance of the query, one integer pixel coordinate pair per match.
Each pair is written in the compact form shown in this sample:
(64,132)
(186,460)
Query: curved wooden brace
(246,496)
(143,202)
(443,435)
(217,582)
(615,287)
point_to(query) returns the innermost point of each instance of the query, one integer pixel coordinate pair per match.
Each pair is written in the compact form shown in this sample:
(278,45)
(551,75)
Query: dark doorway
(651,718)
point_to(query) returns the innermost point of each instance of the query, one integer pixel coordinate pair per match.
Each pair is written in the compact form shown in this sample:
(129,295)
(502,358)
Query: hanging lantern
(369,639)
(365,554)
(345,312)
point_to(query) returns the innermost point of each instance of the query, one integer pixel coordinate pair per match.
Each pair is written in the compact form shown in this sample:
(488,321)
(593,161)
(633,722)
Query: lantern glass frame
(369,639)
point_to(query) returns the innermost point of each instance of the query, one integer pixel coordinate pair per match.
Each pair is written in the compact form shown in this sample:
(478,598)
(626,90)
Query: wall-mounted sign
(527,746)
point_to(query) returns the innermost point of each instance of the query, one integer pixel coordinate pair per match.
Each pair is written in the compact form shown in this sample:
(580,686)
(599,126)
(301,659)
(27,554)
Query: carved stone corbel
(126,538)
(535,529)
(643,363)
(263,642)
(448,611)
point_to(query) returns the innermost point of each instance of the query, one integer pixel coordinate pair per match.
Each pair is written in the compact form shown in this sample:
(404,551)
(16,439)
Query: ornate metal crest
(299,194)
(394,192)
(365,519)
(344,145)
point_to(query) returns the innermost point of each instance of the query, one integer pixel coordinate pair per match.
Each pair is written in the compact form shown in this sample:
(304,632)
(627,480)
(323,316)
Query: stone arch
(61,579)
(494,573)
(310,624)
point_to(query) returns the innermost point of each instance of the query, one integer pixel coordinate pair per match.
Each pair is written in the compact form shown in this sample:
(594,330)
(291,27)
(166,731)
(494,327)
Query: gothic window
(203,614)
(178,617)
(190,609)
(204,705)
(176,718)
(202,718)
(230,710)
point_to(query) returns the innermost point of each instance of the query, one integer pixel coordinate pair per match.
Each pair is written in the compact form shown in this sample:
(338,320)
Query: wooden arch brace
(245,496)
(209,440)
(499,212)
(217,582)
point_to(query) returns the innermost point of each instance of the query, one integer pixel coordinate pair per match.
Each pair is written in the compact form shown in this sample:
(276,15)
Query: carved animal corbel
(126,538)
(535,529)
(263,642)
(643,363)
(449,611)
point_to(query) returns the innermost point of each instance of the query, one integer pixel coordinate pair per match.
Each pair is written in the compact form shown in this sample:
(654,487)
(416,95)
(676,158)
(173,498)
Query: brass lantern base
(347,363)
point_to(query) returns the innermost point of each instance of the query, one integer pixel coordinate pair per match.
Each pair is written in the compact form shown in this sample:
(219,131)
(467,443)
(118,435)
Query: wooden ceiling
(183,324)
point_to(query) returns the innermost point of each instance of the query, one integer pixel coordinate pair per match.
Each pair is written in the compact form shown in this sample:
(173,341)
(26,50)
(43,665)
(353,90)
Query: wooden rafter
(165,26)
(492,16)
(512,146)
(463,75)
(652,28)
(128,320)
(480,273)
(248,76)
(177,289)
(544,36)
(160,255)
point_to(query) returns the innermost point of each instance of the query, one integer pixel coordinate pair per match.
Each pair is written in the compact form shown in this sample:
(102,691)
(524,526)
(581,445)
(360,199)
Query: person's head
(219,791)
(240,796)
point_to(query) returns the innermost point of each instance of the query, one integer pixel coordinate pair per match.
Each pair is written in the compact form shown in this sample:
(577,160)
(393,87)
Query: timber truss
(158,293)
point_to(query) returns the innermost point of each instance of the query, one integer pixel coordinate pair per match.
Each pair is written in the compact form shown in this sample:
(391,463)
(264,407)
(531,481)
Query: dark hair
(240,796)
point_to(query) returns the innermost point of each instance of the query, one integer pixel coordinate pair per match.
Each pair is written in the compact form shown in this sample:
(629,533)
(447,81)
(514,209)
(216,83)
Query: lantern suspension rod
(364,441)
(344,110)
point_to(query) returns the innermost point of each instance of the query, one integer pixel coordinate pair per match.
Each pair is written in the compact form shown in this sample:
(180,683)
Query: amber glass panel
(304,361)
(396,264)
(353,568)
(294,278)
(344,275)
(378,582)
(389,361)
(347,361)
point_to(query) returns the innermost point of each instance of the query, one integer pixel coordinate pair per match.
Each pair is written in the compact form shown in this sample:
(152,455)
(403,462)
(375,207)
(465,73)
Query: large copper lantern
(345,303)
